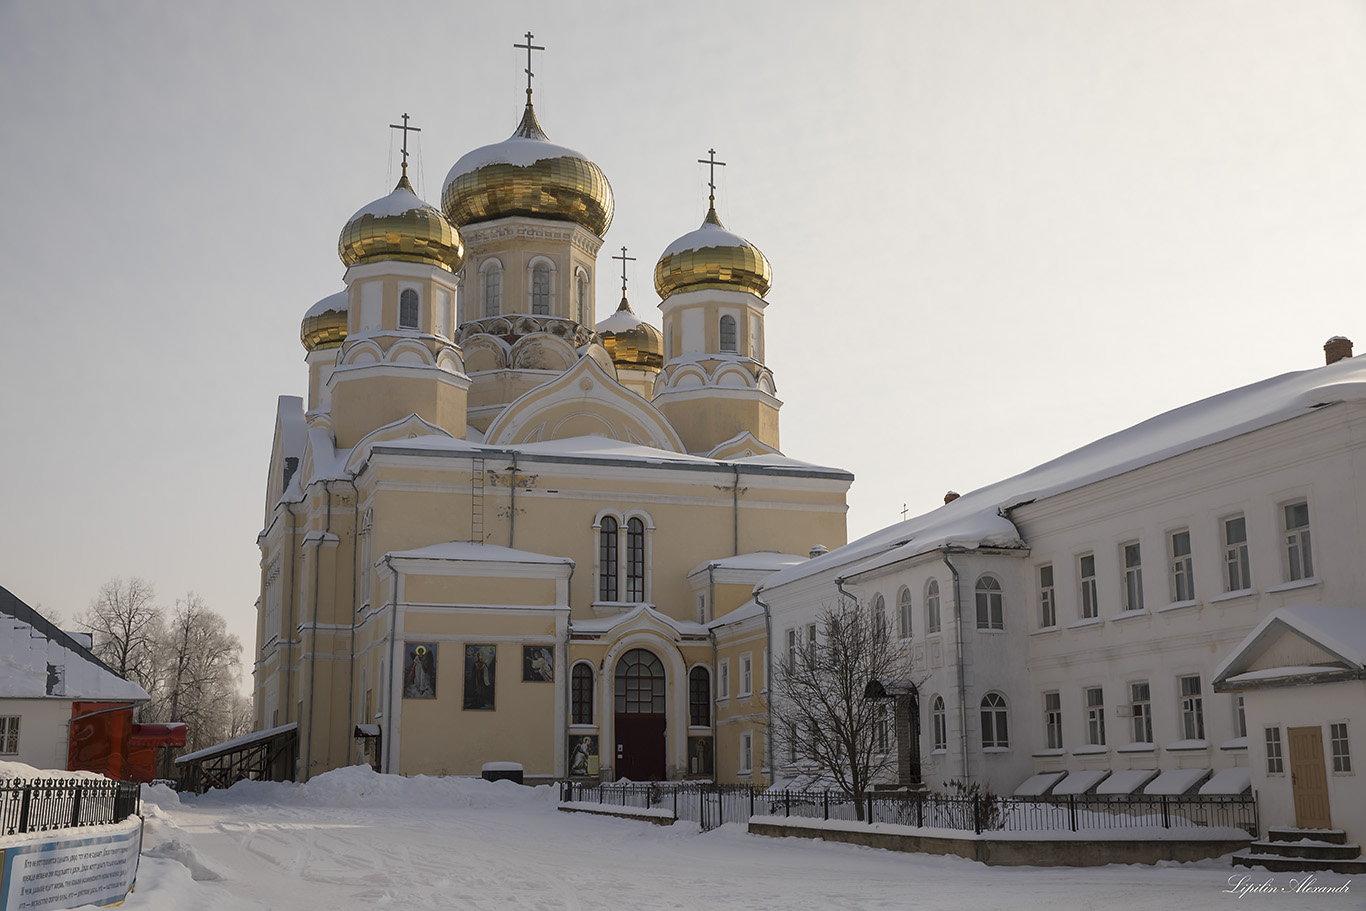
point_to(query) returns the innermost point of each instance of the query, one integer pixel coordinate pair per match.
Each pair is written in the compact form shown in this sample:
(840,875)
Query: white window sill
(1084,622)
(940,751)
(1231,596)
(582,728)
(1091,749)
(745,773)
(1046,630)
(699,729)
(1138,746)
(1178,605)
(995,749)
(1041,754)
(1291,586)
(1187,746)
(722,700)
(745,695)
(1237,743)
(1131,614)
(991,631)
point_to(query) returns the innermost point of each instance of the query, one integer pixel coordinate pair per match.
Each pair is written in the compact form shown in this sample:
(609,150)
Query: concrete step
(1290,833)
(1275,863)
(1324,850)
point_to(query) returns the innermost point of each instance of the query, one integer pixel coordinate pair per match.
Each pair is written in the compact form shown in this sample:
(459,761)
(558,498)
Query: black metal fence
(45,804)
(713,805)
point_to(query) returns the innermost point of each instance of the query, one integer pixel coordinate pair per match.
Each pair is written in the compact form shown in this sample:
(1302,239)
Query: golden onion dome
(712,257)
(324,324)
(401,226)
(630,340)
(528,175)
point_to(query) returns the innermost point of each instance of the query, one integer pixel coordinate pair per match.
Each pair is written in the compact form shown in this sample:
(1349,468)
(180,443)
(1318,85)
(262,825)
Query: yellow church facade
(500,530)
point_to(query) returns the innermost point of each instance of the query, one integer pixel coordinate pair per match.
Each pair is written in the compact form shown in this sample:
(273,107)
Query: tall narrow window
(994,730)
(1090,602)
(990,612)
(1095,715)
(607,559)
(407,309)
(582,694)
(727,333)
(883,728)
(1239,571)
(941,723)
(1342,750)
(811,641)
(879,619)
(1299,557)
(581,299)
(540,290)
(1141,707)
(1192,709)
(905,612)
(1183,575)
(635,561)
(723,679)
(746,674)
(1048,606)
(493,291)
(1052,720)
(1275,762)
(746,751)
(932,607)
(792,646)
(1133,577)
(1241,727)
(699,697)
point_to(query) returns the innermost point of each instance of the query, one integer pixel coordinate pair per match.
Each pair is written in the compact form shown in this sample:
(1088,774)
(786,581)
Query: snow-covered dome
(324,324)
(712,257)
(630,340)
(401,226)
(528,175)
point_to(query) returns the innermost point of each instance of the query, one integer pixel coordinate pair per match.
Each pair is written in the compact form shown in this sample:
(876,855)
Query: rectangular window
(9,734)
(1133,577)
(1090,604)
(1052,720)
(701,608)
(1240,722)
(746,751)
(1342,753)
(1299,556)
(1238,572)
(792,650)
(1192,709)
(811,642)
(723,680)
(1183,576)
(1141,706)
(883,729)
(1048,608)
(746,675)
(1275,764)
(1095,715)
(699,698)
(941,725)
(932,607)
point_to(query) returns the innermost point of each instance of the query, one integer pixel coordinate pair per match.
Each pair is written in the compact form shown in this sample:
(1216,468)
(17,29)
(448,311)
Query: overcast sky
(998,230)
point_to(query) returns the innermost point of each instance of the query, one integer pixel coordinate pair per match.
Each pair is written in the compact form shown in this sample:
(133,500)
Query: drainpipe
(313,662)
(958,654)
(768,683)
(569,667)
(839,584)
(351,661)
(388,689)
(735,506)
(711,591)
(512,499)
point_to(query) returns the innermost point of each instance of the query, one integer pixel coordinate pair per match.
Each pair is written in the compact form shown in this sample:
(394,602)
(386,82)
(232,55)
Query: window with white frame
(1298,554)
(701,608)
(728,333)
(1052,720)
(493,289)
(995,732)
(811,641)
(581,298)
(1238,571)
(879,619)
(746,674)
(635,560)
(1141,708)
(723,679)
(699,697)
(1183,573)
(407,309)
(9,734)
(607,559)
(1133,576)
(1095,715)
(905,610)
(940,722)
(1192,708)
(884,728)
(540,290)
(990,607)
(792,646)
(1048,605)
(1275,762)
(932,606)
(1090,600)
(1342,751)
(582,690)
(1240,717)
(746,751)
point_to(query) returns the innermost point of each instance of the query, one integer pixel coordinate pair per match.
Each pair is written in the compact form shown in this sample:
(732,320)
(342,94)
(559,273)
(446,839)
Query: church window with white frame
(940,723)
(746,675)
(746,752)
(1192,708)
(635,560)
(1298,554)
(1239,569)
(905,611)
(493,289)
(727,329)
(879,619)
(581,298)
(995,723)
(540,290)
(1095,715)
(1133,576)
(1141,708)
(792,647)
(1052,720)
(582,694)
(408,309)
(699,697)
(1183,571)
(1048,605)
(1090,598)
(990,604)
(932,624)
(607,559)
(1275,761)
(723,679)
(1342,749)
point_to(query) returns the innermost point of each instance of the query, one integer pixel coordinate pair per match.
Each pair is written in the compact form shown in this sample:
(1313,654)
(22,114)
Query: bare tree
(126,627)
(202,663)
(824,714)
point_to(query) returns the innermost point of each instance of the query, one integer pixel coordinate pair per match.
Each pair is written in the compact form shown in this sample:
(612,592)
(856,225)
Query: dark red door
(640,747)
(639,720)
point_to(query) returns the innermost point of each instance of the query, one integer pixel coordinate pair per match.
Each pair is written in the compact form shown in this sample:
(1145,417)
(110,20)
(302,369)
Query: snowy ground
(354,839)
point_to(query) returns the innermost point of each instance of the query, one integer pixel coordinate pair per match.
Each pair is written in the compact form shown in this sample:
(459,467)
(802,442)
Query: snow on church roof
(974,519)
(1339,630)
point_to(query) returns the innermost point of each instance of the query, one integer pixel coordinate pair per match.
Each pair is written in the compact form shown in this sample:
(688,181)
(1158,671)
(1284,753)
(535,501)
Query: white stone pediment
(1298,639)
(409,428)
(741,446)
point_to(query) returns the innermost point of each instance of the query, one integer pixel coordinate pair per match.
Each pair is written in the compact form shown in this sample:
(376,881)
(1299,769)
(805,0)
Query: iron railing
(44,804)
(713,805)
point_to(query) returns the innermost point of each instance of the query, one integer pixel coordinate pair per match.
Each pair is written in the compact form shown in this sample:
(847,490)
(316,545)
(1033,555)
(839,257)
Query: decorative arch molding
(733,376)
(409,351)
(743,445)
(485,352)
(585,395)
(409,428)
(686,377)
(449,361)
(363,351)
(541,351)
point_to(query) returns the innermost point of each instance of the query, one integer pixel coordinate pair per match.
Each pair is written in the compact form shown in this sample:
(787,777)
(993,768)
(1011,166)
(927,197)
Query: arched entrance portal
(640,720)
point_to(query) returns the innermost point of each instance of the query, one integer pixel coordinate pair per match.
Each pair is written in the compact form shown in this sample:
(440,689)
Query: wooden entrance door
(639,722)
(1309,778)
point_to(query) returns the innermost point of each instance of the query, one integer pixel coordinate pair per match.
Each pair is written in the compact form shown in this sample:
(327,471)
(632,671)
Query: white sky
(998,230)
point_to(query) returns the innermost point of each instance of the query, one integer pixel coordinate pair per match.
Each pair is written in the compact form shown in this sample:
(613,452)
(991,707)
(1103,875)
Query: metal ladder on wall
(477,501)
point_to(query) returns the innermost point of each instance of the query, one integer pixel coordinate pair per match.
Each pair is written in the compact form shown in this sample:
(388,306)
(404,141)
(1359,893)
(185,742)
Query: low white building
(1072,619)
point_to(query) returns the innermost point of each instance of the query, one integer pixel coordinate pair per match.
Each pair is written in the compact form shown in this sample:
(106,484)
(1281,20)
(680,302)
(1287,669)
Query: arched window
(905,613)
(640,683)
(583,694)
(699,697)
(879,619)
(540,290)
(990,614)
(635,561)
(493,290)
(607,559)
(581,299)
(995,732)
(727,333)
(407,309)
(932,607)
(940,722)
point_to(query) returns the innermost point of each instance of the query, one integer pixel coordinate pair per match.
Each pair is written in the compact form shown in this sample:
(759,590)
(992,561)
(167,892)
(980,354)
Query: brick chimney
(1337,348)
(950,496)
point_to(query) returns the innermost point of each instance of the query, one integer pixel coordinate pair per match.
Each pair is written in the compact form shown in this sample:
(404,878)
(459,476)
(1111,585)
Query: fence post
(868,798)
(976,814)
(1166,814)
(787,803)
(920,810)
(825,795)
(1072,810)
(751,801)
(23,808)
(76,806)
(675,803)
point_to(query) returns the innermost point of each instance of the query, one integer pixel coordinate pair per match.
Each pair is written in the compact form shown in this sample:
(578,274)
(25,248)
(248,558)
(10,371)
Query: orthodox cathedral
(500,530)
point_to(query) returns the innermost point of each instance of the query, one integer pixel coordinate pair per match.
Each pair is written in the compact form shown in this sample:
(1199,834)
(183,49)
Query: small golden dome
(324,324)
(712,257)
(528,175)
(630,340)
(401,226)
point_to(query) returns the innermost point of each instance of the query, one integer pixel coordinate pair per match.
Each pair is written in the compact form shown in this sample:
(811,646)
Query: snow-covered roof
(745,611)
(602,625)
(1037,785)
(709,235)
(236,743)
(518,151)
(1081,782)
(30,644)
(1125,781)
(620,321)
(399,201)
(1339,631)
(976,519)
(477,553)
(1228,782)
(1173,782)
(760,560)
(332,303)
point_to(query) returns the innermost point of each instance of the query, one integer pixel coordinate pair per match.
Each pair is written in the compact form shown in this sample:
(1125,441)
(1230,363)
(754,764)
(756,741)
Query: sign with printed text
(66,873)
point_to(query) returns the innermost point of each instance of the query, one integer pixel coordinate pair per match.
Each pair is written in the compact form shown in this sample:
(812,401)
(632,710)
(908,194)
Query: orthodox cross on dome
(624,259)
(711,179)
(406,130)
(904,509)
(529,48)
